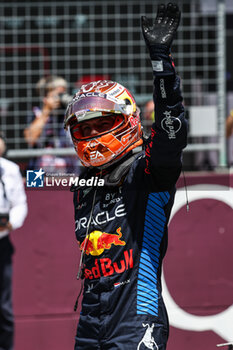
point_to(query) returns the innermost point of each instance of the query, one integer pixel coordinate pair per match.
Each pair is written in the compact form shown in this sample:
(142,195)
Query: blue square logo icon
(35,178)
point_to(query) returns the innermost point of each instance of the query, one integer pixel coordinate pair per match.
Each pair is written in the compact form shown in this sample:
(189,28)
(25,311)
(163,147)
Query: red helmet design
(98,99)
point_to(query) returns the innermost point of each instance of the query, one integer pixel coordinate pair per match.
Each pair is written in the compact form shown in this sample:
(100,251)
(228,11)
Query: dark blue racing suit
(122,230)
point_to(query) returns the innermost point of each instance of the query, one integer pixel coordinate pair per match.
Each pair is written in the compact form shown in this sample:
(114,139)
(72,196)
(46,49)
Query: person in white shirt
(13,211)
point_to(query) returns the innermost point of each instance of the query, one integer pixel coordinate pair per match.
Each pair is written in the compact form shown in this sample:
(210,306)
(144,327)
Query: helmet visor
(93,128)
(82,109)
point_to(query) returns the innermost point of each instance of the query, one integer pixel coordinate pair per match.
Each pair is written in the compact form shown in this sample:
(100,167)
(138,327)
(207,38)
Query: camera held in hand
(4,219)
(64,99)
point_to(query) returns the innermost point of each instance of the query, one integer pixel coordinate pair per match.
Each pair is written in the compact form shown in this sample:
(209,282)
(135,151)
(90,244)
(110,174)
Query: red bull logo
(107,267)
(97,241)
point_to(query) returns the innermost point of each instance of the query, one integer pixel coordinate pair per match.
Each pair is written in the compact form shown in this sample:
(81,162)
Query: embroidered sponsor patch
(162,88)
(170,124)
(157,66)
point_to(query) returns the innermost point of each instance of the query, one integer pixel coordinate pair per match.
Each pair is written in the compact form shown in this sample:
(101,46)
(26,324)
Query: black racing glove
(159,36)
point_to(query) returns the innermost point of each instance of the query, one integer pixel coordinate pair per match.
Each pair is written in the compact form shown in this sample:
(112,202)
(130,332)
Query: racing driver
(121,227)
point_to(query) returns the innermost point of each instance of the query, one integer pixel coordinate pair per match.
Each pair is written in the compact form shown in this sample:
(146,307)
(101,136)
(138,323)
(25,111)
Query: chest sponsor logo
(97,242)
(101,218)
(81,205)
(111,198)
(86,191)
(106,267)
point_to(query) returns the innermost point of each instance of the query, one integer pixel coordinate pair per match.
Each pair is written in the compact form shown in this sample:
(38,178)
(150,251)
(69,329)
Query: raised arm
(169,131)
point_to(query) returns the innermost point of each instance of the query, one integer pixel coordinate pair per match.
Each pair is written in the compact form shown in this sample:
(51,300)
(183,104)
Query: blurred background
(89,40)
(83,41)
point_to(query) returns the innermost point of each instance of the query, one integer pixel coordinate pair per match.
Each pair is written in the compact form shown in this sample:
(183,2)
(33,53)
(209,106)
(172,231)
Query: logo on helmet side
(96,155)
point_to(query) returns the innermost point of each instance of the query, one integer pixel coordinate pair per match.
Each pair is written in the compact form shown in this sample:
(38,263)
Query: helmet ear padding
(126,134)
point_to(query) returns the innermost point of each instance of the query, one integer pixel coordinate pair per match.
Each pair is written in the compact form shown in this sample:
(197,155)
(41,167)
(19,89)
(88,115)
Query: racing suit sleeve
(169,130)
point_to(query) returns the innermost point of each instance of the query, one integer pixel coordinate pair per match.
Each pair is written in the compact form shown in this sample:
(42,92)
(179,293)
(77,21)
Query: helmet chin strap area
(114,178)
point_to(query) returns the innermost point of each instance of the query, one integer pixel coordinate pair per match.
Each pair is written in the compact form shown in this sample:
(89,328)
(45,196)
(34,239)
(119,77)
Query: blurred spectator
(229,135)
(13,211)
(148,116)
(46,125)
(229,124)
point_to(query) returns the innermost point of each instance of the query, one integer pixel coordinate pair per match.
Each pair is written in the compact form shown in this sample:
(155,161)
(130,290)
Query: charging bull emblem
(97,241)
